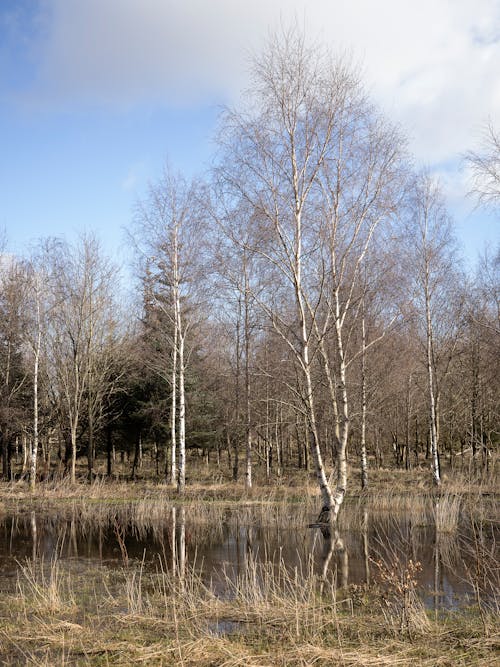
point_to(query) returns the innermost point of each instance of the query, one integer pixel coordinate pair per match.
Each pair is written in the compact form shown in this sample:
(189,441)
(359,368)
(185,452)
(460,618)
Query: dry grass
(446,511)
(270,615)
(47,588)
(390,489)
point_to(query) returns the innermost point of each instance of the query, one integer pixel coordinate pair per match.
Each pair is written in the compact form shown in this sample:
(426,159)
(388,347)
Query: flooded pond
(223,542)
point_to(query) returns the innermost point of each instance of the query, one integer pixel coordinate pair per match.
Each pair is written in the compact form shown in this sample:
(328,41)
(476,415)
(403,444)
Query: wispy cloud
(134,178)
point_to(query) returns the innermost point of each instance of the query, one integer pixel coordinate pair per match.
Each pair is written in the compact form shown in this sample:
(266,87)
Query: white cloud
(433,64)
(125,51)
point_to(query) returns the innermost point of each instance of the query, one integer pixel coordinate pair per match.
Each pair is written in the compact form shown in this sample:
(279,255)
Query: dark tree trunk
(109,450)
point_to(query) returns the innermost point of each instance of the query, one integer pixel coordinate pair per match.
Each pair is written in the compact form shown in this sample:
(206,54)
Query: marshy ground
(120,574)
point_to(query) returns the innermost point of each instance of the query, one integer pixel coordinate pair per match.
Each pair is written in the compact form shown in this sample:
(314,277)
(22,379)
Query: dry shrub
(400,603)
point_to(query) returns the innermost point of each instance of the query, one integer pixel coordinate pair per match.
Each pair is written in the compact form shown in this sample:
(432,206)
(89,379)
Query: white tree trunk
(73,452)
(364,461)
(173,410)
(34,447)
(432,400)
(324,487)
(182,419)
(248,413)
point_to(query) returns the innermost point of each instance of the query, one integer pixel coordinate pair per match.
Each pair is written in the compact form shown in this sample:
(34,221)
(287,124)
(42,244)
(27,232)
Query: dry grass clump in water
(446,511)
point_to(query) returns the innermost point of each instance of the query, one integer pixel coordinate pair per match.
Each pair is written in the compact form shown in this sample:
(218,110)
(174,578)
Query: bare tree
(169,239)
(13,372)
(81,333)
(316,166)
(37,305)
(237,282)
(481,359)
(434,272)
(487,289)
(485,167)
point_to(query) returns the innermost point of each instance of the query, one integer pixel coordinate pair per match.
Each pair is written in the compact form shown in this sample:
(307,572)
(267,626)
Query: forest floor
(57,614)
(211,482)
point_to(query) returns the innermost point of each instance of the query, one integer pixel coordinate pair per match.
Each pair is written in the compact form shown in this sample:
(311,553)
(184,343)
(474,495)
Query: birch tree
(237,282)
(168,236)
(37,303)
(431,265)
(81,324)
(316,165)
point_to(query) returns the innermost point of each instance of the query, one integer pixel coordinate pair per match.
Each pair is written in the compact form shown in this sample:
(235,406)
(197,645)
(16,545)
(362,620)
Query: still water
(222,545)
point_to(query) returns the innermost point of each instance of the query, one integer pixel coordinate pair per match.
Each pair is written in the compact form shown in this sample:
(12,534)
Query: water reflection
(333,544)
(33,537)
(225,547)
(178,543)
(366,550)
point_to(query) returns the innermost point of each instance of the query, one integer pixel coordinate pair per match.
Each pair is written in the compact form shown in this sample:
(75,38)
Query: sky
(95,96)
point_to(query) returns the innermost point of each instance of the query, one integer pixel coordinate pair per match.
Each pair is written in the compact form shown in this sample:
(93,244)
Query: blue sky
(96,94)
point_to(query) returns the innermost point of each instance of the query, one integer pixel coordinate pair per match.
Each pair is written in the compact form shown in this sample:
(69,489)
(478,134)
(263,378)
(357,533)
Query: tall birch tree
(37,304)
(316,165)
(168,237)
(431,266)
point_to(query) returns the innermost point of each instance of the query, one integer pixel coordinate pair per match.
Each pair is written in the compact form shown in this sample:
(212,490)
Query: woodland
(301,308)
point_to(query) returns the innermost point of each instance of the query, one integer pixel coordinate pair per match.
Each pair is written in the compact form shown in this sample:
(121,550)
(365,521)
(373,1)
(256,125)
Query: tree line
(304,305)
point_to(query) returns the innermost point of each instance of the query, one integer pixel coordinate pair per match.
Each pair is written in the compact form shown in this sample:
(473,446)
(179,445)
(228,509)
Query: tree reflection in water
(334,544)
(178,542)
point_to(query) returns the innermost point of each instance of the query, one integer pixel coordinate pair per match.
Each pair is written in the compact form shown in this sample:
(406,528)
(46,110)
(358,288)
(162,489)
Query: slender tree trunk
(408,424)
(327,498)
(25,444)
(416,441)
(6,437)
(182,418)
(248,414)
(432,400)
(236,443)
(305,445)
(73,451)
(341,482)
(6,455)
(34,446)
(137,455)
(267,439)
(90,444)
(173,408)
(364,461)
(109,450)
(89,378)
(140,457)
(474,399)
(278,444)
